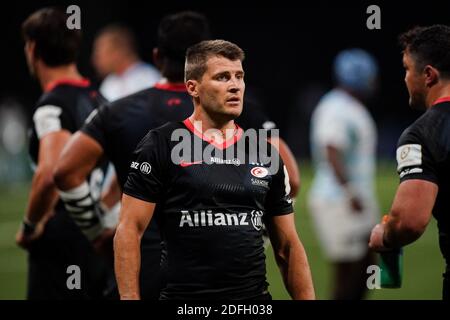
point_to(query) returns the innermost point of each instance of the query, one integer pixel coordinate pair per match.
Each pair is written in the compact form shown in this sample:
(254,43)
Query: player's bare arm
(291,257)
(112,194)
(135,215)
(290,163)
(409,216)
(335,160)
(43,195)
(77,160)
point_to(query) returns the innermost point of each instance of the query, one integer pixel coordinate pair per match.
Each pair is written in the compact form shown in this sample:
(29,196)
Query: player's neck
(124,64)
(166,81)
(215,129)
(438,92)
(48,75)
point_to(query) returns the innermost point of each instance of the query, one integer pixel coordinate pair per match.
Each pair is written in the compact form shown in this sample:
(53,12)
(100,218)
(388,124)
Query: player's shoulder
(427,128)
(166,130)
(65,96)
(162,134)
(54,97)
(338,99)
(414,131)
(332,97)
(53,103)
(331,104)
(147,69)
(133,100)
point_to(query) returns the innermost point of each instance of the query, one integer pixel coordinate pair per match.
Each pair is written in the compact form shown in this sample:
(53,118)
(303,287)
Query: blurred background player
(423,148)
(53,239)
(342,198)
(115,57)
(118,127)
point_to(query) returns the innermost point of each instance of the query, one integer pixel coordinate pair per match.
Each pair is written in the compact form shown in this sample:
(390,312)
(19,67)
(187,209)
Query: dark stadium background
(289,47)
(289,52)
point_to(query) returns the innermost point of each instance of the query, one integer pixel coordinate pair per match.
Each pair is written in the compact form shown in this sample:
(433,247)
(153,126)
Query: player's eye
(223,77)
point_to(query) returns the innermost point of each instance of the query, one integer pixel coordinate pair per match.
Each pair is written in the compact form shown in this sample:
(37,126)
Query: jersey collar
(177,87)
(221,146)
(441,100)
(83,82)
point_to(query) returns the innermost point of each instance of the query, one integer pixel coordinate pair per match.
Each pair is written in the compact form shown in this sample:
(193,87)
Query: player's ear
(157,58)
(192,87)
(30,47)
(431,75)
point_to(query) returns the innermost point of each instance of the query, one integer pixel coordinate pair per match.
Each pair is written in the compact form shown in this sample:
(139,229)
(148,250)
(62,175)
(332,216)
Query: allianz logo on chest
(208,218)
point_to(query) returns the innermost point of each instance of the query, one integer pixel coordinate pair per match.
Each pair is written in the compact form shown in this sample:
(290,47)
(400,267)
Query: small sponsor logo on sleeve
(134,165)
(410,171)
(409,155)
(145,168)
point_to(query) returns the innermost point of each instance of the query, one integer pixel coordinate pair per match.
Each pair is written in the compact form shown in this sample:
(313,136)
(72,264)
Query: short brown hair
(55,43)
(429,45)
(198,54)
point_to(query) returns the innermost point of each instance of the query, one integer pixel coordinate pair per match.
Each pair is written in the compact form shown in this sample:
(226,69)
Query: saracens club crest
(259,172)
(256,218)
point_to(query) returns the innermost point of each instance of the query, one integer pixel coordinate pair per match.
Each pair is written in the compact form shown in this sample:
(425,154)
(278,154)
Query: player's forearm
(295,271)
(290,163)
(398,233)
(113,194)
(79,157)
(43,196)
(335,161)
(127,257)
(68,176)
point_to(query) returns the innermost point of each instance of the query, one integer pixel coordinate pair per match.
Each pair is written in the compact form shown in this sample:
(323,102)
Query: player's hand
(376,238)
(25,236)
(356,205)
(353,199)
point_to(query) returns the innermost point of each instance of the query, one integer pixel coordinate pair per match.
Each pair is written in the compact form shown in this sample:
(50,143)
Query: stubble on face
(414,82)
(29,59)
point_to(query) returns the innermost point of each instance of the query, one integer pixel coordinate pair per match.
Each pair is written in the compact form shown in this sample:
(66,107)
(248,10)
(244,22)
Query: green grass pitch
(423,264)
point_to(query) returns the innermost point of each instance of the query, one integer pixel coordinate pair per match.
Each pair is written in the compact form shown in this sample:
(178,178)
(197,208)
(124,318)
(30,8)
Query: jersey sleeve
(414,158)
(96,125)
(147,173)
(278,201)
(51,116)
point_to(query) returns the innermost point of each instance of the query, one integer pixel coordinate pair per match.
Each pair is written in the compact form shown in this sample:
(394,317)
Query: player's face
(28,49)
(221,89)
(415,82)
(102,55)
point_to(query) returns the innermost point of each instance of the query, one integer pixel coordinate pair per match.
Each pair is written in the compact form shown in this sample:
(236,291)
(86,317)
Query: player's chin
(416,102)
(233,109)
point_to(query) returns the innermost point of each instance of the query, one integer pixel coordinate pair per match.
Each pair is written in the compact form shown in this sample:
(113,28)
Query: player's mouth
(233,101)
